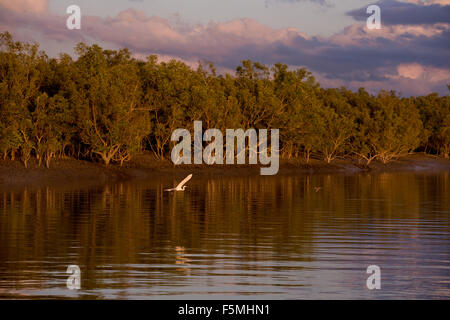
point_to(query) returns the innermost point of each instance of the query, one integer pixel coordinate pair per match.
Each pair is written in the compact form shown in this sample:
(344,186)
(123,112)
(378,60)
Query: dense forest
(108,106)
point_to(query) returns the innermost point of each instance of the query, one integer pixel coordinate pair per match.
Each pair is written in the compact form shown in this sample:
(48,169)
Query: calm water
(235,237)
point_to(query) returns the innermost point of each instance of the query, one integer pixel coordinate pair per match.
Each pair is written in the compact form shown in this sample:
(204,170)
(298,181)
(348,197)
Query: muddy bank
(70,171)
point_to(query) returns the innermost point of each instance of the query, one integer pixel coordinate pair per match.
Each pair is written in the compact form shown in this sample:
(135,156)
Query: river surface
(241,237)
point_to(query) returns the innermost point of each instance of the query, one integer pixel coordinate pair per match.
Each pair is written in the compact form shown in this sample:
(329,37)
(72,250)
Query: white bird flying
(181,186)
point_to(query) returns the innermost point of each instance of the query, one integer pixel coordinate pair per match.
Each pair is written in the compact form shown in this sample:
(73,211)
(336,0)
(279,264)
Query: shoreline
(66,171)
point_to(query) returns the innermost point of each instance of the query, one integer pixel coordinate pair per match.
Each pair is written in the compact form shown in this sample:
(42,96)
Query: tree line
(107,106)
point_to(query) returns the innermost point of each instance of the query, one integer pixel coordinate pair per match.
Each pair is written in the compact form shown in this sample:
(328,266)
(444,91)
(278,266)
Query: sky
(409,54)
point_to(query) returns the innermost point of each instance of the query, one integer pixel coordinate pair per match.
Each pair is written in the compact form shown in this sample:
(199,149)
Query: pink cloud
(133,28)
(429,2)
(410,71)
(409,79)
(359,33)
(26,6)
(426,73)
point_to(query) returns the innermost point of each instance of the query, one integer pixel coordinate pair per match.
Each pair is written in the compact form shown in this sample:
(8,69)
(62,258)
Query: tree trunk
(25,159)
(308,156)
(39,158)
(385,157)
(446,152)
(328,157)
(160,148)
(26,155)
(106,158)
(48,158)
(370,159)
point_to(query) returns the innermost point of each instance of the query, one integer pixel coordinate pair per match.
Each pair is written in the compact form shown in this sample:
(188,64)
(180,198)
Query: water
(235,237)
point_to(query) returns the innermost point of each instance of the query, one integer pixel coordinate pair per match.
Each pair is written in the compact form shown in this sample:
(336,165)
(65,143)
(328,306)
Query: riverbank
(13,173)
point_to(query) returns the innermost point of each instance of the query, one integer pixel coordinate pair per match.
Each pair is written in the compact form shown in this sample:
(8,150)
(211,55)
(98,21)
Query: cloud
(429,2)
(215,41)
(398,56)
(321,2)
(26,6)
(408,13)
(23,23)
(426,73)
(407,79)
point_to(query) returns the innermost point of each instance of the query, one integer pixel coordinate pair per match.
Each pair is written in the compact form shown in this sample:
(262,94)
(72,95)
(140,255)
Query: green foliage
(397,127)
(435,115)
(21,70)
(109,106)
(111,120)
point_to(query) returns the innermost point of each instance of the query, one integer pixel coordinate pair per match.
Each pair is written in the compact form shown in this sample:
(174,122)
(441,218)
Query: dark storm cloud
(394,12)
(351,62)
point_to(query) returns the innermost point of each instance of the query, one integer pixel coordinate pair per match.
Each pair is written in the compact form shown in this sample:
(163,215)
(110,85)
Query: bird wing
(180,185)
